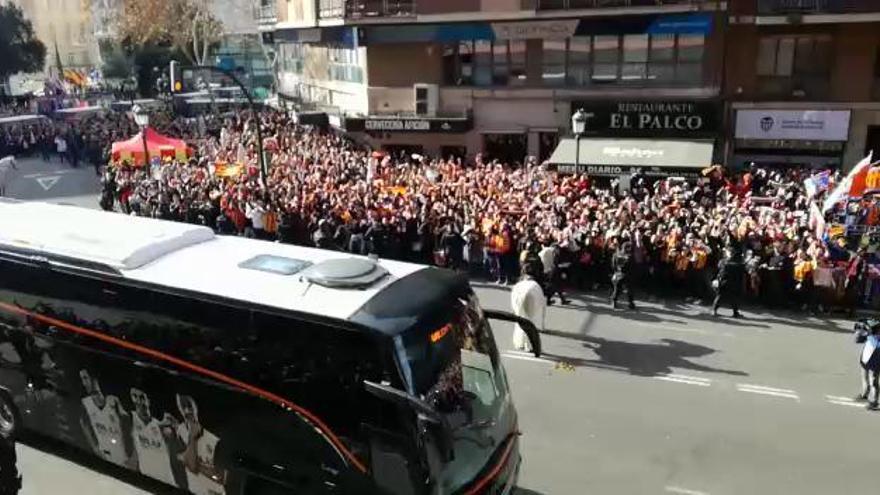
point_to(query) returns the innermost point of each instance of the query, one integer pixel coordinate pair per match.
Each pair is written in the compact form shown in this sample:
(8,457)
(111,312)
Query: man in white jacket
(527,300)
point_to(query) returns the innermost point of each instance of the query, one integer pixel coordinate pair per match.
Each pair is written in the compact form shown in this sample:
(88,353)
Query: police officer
(10,480)
(728,283)
(549,256)
(868,334)
(622,263)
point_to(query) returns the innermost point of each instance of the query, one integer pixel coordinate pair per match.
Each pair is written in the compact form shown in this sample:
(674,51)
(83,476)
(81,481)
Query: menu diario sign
(651,118)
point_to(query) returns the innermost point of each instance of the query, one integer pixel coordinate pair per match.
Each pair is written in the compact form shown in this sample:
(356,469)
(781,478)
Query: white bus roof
(183,256)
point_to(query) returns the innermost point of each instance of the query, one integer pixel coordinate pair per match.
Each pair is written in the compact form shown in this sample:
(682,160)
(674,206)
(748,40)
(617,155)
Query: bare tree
(188,25)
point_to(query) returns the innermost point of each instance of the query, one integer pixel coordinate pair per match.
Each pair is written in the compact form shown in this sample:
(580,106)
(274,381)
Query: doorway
(509,149)
(547,142)
(872,141)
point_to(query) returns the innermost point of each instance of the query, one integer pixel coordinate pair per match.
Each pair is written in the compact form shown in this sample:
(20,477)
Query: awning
(632,153)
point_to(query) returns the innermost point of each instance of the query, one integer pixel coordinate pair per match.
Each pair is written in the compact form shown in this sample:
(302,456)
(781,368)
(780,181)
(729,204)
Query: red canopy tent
(132,149)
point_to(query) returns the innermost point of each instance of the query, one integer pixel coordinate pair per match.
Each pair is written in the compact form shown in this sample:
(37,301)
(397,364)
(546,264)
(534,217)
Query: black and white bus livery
(223,365)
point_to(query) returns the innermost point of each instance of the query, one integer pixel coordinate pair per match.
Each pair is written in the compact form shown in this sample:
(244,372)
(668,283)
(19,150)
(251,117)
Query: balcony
(598,4)
(766,7)
(365,9)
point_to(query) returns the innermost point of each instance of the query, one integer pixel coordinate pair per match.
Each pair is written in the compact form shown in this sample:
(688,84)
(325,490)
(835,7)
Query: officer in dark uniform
(622,264)
(10,480)
(729,281)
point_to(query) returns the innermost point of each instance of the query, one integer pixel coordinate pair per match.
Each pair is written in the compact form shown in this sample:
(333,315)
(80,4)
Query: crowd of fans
(479,215)
(488,217)
(86,140)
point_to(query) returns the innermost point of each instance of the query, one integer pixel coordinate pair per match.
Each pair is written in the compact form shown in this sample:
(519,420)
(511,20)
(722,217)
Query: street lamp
(142,119)
(578,126)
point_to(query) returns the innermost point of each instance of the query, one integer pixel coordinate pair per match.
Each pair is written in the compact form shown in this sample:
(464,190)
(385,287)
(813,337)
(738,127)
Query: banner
(817,183)
(846,187)
(872,181)
(802,125)
(817,220)
(226,170)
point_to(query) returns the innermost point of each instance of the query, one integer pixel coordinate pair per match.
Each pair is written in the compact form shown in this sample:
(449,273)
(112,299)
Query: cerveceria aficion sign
(428,124)
(651,118)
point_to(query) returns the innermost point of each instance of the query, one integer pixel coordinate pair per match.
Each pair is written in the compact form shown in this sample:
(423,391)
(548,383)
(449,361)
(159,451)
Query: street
(664,399)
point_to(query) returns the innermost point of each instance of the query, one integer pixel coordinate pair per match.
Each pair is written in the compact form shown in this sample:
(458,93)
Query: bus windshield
(456,369)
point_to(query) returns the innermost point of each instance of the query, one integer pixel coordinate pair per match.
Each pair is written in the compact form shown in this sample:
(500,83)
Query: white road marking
(682,329)
(48,182)
(775,392)
(668,378)
(45,174)
(843,401)
(684,491)
(686,379)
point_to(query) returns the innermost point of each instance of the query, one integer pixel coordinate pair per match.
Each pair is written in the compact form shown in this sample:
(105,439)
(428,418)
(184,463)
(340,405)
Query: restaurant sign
(650,118)
(617,171)
(439,125)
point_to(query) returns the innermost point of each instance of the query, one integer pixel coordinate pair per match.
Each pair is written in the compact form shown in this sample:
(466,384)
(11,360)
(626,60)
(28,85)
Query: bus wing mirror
(530,329)
(424,411)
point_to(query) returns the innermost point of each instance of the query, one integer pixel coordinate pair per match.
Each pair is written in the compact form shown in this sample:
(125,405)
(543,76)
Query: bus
(223,365)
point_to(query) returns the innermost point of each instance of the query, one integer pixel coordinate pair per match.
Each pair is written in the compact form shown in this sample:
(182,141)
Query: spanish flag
(73,77)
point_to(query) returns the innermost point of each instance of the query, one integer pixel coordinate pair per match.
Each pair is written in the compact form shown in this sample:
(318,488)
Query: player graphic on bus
(155,442)
(103,422)
(203,476)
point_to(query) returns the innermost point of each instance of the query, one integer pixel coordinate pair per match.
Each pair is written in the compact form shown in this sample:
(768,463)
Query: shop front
(790,138)
(655,137)
(435,136)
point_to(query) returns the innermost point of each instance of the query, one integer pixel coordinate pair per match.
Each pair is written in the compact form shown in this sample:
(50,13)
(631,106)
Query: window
(482,63)
(553,63)
(466,62)
(691,49)
(458,64)
(606,56)
(451,66)
(291,56)
(635,57)
(517,54)
(344,65)
(787,56)
(579,70)
(661,58)
(584,60)
(500,63)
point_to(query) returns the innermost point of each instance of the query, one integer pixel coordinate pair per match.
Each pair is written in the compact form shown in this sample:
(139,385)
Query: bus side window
(210,335)
(320,367)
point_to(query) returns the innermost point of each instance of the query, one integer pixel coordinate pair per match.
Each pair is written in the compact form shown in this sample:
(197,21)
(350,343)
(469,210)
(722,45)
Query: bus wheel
(9,419)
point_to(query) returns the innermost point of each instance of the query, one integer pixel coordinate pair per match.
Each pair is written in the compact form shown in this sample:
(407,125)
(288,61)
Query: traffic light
(176,77)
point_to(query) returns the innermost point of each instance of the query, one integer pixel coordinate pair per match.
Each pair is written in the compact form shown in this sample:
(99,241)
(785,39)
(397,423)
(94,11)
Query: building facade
(503,77)
(802,82)
(67,23)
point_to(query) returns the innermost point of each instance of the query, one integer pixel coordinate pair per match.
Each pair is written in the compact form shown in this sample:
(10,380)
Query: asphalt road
(662,400)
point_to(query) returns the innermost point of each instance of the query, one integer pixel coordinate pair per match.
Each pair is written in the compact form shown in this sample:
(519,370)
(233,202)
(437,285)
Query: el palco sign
(650,118)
